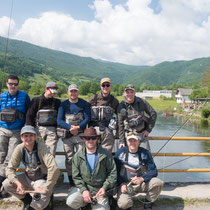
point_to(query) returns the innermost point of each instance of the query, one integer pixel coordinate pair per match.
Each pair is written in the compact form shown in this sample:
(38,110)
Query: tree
(35,90)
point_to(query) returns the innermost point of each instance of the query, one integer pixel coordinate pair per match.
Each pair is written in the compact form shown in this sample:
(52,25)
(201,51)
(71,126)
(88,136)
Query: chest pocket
(127,172)
(47,117)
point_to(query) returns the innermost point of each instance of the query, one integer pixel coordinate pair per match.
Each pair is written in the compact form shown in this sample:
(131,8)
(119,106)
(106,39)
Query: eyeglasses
(132,133)
(105,85)
(11,84)
(88,138)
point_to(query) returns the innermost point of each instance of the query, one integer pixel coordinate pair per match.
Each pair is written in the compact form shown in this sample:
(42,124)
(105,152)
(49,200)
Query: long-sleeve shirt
(74,108)
(48,165)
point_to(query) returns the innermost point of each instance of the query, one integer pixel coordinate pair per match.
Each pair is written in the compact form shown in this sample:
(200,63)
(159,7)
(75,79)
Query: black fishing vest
(48,116)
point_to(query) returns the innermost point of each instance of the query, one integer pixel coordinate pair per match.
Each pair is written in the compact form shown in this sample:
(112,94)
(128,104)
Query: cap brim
(133,137)
(129,89)
(73,89)
(83,137)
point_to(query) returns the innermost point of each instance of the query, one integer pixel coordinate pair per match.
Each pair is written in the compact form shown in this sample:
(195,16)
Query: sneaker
(26,202)
(4,194)
(148,205)
(27,207)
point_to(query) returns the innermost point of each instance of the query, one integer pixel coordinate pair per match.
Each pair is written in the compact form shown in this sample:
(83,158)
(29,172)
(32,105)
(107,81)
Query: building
(149,94)
(182,95)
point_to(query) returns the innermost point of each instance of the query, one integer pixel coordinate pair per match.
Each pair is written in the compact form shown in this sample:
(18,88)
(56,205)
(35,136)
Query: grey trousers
(28,185)
(70,146)
(49,135)
(9,139)
(151,188)
(107,138)
(75,201)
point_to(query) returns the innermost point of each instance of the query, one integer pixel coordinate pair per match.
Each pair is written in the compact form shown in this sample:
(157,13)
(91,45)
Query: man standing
(136,172)
(73,117)
(94,172)
(13,107)
(131,117)
(41,171)
(43,115)
(103,107)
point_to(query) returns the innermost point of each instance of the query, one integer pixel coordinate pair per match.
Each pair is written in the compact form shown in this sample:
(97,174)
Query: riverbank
(177,196)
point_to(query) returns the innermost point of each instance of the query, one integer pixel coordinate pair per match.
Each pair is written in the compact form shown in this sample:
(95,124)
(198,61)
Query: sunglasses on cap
(88,138)
(11,84)
(105,85)
(132,133)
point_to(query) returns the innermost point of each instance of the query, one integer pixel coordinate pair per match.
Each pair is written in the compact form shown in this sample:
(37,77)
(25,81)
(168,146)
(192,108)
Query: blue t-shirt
(92,160)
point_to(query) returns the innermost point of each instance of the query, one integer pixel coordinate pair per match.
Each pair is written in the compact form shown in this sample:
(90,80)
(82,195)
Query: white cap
(133,137)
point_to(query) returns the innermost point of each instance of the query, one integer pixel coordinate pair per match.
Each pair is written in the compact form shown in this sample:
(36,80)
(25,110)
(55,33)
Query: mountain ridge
(63,64)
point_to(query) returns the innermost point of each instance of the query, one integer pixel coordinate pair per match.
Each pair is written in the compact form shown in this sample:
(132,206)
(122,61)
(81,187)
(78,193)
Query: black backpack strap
(68,107)
(123,105)
(40,102)
(95,100)
(110,101)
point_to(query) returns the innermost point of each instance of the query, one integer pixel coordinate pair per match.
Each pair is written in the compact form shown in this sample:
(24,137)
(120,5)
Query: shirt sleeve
(86,114)
(31,113)
(151,168)
(61,116)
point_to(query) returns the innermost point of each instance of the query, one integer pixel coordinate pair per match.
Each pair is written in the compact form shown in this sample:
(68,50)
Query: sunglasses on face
(11,84)
(105,85)
(88,138)
(132,133)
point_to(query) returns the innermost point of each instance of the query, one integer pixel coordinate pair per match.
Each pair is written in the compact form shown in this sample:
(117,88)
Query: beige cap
(103,80)
(73,87)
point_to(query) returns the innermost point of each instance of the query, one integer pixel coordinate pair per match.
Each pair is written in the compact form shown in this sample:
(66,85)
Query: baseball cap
(103,80)
(73,87)
(129,87)
(51,85)
(27,129)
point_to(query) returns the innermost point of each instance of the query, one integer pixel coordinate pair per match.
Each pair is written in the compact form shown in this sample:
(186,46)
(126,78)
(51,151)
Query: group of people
(87,131)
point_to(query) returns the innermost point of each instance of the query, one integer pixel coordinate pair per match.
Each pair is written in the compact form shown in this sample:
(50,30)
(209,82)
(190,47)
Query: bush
(205,113)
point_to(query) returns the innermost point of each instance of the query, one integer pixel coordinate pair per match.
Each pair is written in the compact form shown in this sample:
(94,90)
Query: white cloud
(5,24)
(129,33)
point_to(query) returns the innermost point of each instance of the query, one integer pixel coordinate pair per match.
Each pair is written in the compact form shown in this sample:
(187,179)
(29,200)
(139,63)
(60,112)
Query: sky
(134,32)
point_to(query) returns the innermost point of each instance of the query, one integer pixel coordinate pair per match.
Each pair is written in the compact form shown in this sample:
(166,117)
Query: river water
(166,127)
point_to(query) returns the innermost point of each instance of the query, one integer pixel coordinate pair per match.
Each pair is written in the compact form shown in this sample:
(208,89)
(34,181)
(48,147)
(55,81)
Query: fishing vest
(127,172)
(102,113)
(47,117)
(73,119)
(135,118)
(32,164)
(12,113)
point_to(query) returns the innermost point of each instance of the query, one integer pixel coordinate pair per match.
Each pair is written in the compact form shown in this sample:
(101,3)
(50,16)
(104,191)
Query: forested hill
(27,59)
